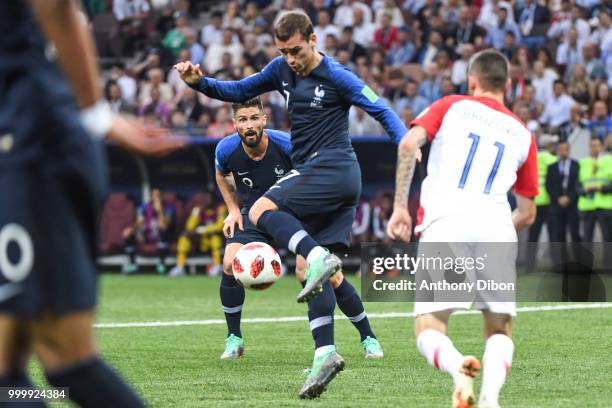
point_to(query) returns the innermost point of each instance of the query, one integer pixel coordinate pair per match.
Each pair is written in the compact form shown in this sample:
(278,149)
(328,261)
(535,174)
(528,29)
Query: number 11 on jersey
(468,163)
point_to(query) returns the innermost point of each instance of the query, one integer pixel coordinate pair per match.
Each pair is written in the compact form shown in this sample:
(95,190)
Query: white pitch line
(390,315)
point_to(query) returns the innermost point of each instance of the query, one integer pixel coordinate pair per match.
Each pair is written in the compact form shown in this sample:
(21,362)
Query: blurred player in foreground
(52,184)
(479,150)
(324,186)
(247,164)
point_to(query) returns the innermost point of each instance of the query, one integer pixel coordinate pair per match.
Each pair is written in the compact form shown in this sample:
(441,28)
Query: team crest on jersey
(279,172)
(319,94)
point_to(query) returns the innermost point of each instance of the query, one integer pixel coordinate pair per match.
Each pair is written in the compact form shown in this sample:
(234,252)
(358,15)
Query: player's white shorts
(463,235)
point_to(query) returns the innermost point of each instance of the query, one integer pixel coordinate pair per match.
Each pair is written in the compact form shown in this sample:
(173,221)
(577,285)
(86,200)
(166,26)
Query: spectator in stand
(132,16)
(407,115)
(497,32)
(395,85)
(429,8)
(380,219)
(173,79)
(344,58)
(231,17)
(387,34)
(112,92)
(577,133)
(255,55)
(428,52)
(212,33)
(411,99)
(578,86)
(152,61)
(363,30)
(489,13)
(528,16)
(330,45)
(517,83)
(196,51)
(446,87)
(361,225)
(390,8)
(444,63)
(376,64)
(189,104)
(466,31)
(347,43)
(602,33)
(250,15)
(160,108)
(227,70)
(523,111)
(528,97)
(127,84)
(557,110)
(344,13)
(324,27)
(430,86)
(156,76)
(593,65)
(542,80)
(601,123)
(569,53)
(361,124)
(174,39)
(223,125)
(450,13)
(154,220)
(263,37)
(214,55)
(523,60)
(460,67)
(403,50)
(509,49)
(178,121)
(313,9)
(560,29)
(602,93)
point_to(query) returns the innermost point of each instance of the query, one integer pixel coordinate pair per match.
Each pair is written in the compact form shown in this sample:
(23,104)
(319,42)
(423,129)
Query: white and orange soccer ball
(256,266)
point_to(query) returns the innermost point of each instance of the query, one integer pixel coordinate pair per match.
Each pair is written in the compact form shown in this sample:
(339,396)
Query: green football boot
(372,348)
(318,272)
(324,369)
(234,348)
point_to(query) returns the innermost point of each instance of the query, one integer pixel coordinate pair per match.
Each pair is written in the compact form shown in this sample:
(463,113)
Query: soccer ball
(256,266)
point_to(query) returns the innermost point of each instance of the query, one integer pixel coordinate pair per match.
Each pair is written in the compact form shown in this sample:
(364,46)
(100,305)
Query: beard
(251,138)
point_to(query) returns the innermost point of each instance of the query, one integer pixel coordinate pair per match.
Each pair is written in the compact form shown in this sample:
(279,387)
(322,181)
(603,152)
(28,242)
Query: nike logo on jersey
(241,174)
(285,83)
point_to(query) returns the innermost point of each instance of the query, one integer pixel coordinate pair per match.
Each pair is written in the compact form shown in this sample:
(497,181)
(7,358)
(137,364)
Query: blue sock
(232,299)
(94,384)
(287,231)
(321,316)
(351,305)
(18,379)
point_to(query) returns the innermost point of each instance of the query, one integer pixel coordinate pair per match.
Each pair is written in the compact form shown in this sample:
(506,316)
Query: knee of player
(58,350)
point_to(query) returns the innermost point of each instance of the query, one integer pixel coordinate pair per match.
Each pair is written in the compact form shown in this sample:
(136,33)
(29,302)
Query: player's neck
(498,96)
(316,60)
(258,152)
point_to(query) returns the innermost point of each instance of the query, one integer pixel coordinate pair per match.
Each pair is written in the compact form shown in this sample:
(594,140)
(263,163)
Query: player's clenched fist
(400,225)
(189,72)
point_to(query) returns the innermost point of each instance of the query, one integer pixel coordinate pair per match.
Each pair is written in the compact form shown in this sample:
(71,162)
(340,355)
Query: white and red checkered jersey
(479,150)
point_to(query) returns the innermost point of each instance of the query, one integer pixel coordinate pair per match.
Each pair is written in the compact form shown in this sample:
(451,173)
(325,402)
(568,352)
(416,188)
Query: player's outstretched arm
(234,216)
(400,223)
(230,91)
(525,212)
(60,22)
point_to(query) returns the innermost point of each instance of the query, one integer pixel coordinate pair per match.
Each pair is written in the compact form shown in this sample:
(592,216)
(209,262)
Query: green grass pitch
(562,358)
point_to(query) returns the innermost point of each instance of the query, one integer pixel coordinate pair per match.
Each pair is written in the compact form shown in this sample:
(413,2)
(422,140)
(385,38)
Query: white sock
(439,351)
(496,362)
(323,350)
(315,253)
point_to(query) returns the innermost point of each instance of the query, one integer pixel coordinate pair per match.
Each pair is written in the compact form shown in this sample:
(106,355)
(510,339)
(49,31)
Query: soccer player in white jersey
(479,150)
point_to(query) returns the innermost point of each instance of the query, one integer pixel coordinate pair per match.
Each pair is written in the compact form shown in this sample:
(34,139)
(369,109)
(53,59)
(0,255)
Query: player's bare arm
(60,23)
(228,192)
(408,151)
(189,72)
(525,212)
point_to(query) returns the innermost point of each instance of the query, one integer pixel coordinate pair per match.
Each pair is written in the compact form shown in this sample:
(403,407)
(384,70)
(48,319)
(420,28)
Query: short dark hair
(292,22)
(559,81)
(255,102)
(491,68)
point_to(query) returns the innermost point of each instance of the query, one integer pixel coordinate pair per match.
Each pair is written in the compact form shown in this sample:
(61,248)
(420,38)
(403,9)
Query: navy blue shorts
(51,191)
(323,194)
(249,234)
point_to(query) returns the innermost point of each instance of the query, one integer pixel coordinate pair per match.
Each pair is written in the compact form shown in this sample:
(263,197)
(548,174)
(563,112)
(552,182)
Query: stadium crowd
(411,52)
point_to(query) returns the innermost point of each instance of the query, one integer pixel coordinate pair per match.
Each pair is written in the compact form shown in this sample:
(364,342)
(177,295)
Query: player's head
(250,120)
(488,72)
(295,38)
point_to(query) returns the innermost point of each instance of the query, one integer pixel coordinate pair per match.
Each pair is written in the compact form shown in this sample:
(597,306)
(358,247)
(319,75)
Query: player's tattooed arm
(228,191)
(407,154)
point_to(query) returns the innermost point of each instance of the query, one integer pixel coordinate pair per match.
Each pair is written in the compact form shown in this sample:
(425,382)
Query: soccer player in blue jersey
(247,164)
(52,184)
(325,183)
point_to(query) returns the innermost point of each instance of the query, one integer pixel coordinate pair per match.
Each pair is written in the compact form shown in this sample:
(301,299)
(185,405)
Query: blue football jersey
(318,103)
(253,178)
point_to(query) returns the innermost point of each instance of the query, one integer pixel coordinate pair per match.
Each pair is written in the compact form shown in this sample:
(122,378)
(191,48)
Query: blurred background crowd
(411,52)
